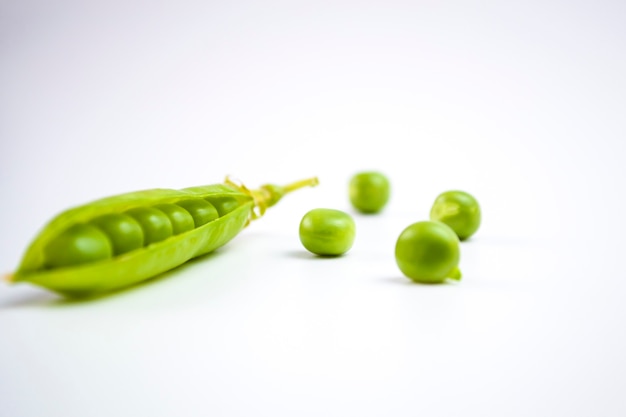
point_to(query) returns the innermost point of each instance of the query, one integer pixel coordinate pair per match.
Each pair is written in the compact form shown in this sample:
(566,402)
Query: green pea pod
(82,251)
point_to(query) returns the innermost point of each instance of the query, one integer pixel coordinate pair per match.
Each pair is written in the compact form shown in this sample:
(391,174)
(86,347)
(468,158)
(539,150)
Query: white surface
(520,104)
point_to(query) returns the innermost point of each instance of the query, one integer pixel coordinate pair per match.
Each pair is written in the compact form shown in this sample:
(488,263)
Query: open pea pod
(119,241)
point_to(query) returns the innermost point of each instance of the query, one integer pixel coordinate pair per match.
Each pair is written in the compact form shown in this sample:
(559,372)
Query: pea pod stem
(296,185)
(269,194)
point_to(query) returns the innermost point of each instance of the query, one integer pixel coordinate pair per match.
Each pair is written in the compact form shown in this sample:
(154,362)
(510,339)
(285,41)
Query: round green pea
(459,210)
(200,210)
(327,232)
(81,243)
(124,232)
(369,191)
(155,224)
(181,220)
(428,252)
(224,204)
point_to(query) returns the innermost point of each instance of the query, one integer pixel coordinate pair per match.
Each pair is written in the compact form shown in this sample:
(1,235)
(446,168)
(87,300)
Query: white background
(522,104)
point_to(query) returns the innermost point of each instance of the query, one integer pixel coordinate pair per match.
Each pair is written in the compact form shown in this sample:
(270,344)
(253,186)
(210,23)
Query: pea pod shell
(139,265)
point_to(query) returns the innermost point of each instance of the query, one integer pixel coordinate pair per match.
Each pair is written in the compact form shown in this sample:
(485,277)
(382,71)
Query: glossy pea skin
(459,210)
(181,219)
(155,224)
(327,232)
(369,191)
(123,231)
(428,252)
(79,244)
(200,210)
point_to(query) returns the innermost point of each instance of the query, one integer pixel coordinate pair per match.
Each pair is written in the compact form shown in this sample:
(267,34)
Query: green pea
(428,252)
(369,191)
(200,210)
(459,210)
(155,224)
(124,232)
(327,232)
(181,220)
(79,244)
(224,204)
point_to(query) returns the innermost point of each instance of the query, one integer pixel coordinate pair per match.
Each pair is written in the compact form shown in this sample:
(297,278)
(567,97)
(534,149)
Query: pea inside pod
(124,232)
(201,211)
(79,244)
(119,241)
(224,204)
(155,224)
(182,221)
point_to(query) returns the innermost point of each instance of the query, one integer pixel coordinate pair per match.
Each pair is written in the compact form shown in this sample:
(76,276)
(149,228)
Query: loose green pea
(180,218)
(155,224)
(327,232)
(369,191)
(201,211)
(459,210)
(428,252)
(81,243)
(123,231)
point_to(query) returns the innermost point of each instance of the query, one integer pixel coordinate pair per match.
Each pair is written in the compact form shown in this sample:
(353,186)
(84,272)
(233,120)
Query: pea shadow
(48,299)
(37,298)
(302,254)
(406,282)
(500,241)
